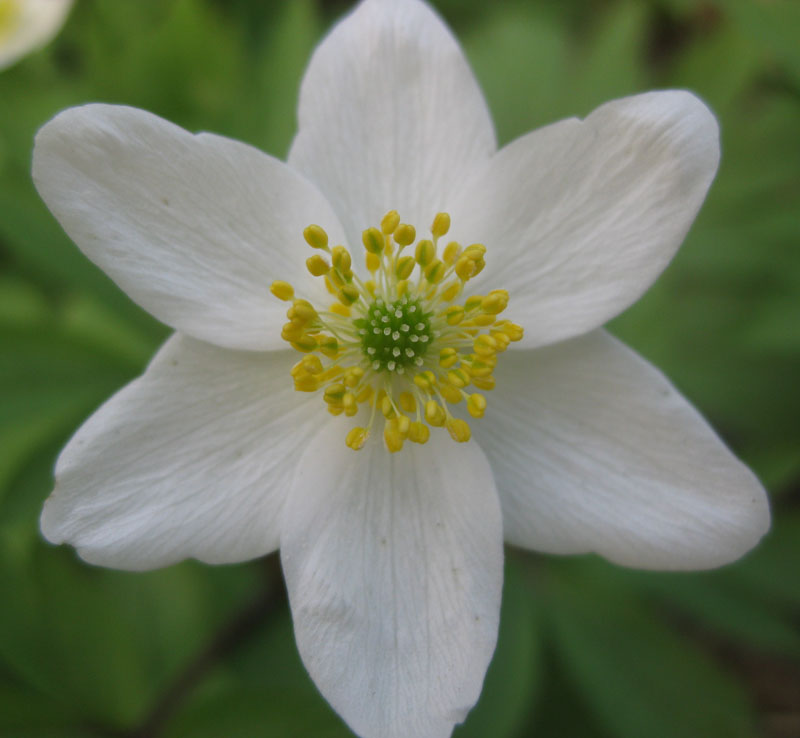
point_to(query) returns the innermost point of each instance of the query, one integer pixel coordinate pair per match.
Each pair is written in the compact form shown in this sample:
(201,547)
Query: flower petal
(594,450)
(194,458)
(390,116)
(393,564)
(580,217)
(29,25)
(193,227)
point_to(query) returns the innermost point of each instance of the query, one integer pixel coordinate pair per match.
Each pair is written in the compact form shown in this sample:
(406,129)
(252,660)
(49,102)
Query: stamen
(398,342)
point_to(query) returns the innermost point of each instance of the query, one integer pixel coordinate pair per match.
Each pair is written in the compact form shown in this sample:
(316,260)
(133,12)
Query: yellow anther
(485,345)
(340,258)
(336,409)
(334,393)
(304,344)
(405,234)
(407,402)
(328,345)
(336,279)
(434,413)
(484,383)
(389,222)
(332,372)
(370,287)
(316,237)
(465,268)
(441,224)
(393,439)
(476,405)
(450,393)
(458,378)
(495,302)
(450,253)
(387,408)
(425,252)
(459,430)
(373,240)
(402,287)
(329,285)
(350,404)
(418,432)
(301,310)
(348,294)
(317,265)
(402,424)
(340,309)
(452,291)
(501,339)
(481,368)
(448,357)
(353,375)
(513,331)
(311,364)
(434,272)
(475,251)
(306,383)
(473,303)
(454,314)
(373,262)
(293,331)
(282,290)
(356,438)
(405,266)
(426,381)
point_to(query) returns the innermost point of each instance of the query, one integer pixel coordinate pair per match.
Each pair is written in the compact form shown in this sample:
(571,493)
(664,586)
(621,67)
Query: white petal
(393,564)
(594,450)
(580,217)
(193,227)
(390,116)
(26,25)
(192,459)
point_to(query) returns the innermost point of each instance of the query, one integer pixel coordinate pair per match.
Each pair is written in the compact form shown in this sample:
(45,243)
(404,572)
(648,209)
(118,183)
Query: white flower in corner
(26,25)
(416,429)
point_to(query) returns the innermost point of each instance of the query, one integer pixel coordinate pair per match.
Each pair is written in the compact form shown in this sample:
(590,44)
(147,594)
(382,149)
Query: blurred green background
(586,649)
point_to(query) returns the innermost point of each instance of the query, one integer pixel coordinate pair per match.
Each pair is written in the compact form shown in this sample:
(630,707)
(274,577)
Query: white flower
(393,561)
(26,25)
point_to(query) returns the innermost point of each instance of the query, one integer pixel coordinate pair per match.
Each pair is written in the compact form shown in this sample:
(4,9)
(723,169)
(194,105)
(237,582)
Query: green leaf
(244,712)
(639,677)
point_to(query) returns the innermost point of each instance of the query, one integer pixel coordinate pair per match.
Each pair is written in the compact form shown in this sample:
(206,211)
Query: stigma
(404,346)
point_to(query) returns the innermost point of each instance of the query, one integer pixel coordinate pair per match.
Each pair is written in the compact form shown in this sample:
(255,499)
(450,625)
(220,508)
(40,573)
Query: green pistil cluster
(395,335)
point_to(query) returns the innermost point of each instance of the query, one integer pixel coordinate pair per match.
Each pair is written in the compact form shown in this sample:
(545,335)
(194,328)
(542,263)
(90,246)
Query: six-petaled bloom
(453,386)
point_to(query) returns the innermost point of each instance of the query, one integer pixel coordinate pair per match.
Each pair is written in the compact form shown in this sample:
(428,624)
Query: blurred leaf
(774,25)
(247,712)
(770,572)
(278,69)
(523,84)
(639,677)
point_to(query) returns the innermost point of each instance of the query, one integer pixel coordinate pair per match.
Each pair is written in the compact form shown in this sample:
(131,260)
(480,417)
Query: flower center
(395,335)
(398,344)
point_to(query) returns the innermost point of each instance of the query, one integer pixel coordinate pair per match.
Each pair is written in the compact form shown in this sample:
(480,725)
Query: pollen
(405,347)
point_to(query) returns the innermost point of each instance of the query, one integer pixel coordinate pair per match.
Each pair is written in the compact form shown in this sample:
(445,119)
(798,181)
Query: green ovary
(395,335)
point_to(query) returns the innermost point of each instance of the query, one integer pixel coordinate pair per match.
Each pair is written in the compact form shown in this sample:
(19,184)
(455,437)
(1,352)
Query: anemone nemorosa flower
(26,25)
(393,427)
